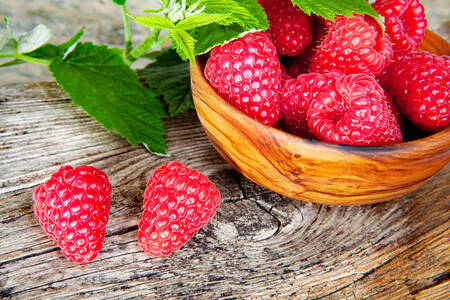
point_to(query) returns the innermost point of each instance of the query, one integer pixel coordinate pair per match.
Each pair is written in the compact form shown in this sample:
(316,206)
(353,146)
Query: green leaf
(119,2)
(201,19)
(8,43)
(166,57)
(50,51)
(33,39)
(206,22)
(247,13)
(212,35)
(8,46)
(98,80)
(12,63)
(257,12)
(154,22)
(66,47)
(169,76)
(184,44)
(29,41)
(329,8)
(154,11)
(47,51)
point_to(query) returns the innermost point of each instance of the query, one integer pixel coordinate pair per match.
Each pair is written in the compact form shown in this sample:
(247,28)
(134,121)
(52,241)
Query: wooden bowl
(313,170)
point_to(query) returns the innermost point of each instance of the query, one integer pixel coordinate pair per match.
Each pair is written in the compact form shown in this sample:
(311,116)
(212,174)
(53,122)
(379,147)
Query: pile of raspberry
(343,81)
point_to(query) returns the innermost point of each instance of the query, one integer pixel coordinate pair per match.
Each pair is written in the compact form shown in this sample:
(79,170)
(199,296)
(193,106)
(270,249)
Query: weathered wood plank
(259,244)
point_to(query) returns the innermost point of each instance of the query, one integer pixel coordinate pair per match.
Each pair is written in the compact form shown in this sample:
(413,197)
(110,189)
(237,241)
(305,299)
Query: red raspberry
(405,22)
(178,201)
(290,27)
(246,73)
(296,96)
(353,45)
(419,82)
(73,209)
(354,111)
(300,63)
(284,75)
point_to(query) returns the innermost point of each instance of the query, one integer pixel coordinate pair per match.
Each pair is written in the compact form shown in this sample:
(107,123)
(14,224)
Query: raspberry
(296,96)
(73,209)
(353,45)
(246,73)
(290,28)
(354,111)
(419,83)
(405,22)
(300,63)
(284,75)
(178,201)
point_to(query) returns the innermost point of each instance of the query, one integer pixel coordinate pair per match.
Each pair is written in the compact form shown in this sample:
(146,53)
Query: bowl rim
(427,142)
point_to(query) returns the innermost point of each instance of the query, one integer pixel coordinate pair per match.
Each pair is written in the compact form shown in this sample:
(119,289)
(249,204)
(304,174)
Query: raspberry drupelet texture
(354,111)
(178,201)
(290,28)
(296,96)
(419,83)
(353,45)
(404,21)
(300,63)
(246,73)
(73,208)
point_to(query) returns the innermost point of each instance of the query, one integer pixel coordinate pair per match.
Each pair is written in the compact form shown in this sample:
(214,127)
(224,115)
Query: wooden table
(259,244)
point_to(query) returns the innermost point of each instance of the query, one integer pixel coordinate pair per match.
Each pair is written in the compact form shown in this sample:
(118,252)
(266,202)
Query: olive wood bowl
(312,170)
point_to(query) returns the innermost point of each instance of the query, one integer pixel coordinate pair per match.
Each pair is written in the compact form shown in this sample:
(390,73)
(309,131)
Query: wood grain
(312,170)
(259,245)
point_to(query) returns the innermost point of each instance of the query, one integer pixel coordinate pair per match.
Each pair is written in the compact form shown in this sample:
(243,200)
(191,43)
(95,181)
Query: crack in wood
(72,277)
(427,284)
(122,230)
(269,211)
(238,178)
(373,270)
(10,219)
(6,292)
(53,249)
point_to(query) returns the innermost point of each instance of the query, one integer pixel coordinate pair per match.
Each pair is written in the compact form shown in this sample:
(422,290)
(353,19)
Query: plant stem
(150,42)
(127,31)
(163,40)
(27,58)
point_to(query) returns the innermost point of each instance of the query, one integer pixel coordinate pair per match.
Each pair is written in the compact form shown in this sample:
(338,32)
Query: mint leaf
(329,8)
(98,80)
(169,76)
